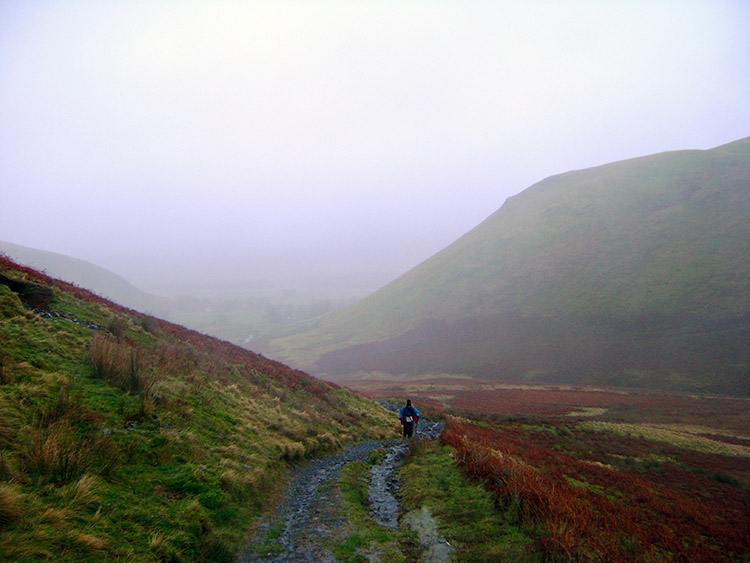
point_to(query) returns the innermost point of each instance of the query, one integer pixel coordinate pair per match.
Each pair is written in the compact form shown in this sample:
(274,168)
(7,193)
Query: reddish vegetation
(593,512)
(651,502)
(594,495)
(624,405)
(244,361)
(732,413)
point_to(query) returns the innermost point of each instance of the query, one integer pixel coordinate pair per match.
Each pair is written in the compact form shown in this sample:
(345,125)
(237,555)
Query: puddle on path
(310,512)
(383,488)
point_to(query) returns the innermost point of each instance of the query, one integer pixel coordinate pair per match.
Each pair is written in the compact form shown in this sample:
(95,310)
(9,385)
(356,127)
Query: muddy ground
(310,516)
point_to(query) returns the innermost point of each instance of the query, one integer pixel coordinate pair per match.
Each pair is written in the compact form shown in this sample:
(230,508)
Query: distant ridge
(84,274)
(635,273)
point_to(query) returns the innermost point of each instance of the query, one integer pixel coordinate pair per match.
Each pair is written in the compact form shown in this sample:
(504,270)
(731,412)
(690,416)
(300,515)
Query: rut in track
(310,515)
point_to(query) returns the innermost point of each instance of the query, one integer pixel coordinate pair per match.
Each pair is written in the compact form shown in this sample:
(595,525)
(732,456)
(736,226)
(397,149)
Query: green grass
(365,535)
(465,512)
(171,458)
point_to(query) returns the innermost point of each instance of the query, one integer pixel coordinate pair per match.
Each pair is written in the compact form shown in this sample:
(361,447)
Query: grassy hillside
(632,273)
(124,437)
(83,273)
(229,311)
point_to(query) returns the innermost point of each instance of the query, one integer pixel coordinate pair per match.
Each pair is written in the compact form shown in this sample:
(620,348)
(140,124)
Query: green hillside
(83,273)
(127,438)
(633,273)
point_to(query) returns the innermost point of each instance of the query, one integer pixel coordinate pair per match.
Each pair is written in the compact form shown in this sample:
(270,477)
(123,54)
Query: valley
(633,274)
(601,474)
(375,282)
(583,353)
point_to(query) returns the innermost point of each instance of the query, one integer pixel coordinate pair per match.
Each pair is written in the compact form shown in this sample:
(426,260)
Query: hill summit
(633,273)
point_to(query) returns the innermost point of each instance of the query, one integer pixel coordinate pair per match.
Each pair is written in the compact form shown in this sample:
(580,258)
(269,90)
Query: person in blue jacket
(408,415)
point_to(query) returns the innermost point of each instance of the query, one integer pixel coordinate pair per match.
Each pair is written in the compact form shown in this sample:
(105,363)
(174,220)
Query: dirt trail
(310,515)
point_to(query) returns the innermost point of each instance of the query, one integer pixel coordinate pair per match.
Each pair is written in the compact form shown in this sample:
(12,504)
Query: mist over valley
(385,281)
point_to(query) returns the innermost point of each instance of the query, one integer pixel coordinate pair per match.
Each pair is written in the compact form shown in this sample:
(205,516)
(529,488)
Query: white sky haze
(380,130)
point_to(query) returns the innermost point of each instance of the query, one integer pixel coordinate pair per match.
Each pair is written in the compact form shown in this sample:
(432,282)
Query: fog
(180,143)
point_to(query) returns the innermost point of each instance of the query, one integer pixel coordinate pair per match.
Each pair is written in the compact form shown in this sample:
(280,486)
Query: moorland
(599,474)
(585,347)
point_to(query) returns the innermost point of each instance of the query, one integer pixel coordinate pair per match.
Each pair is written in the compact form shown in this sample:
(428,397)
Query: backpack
(408,414)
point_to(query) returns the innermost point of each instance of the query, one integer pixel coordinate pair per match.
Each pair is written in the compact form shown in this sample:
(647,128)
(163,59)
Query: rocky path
(310,515)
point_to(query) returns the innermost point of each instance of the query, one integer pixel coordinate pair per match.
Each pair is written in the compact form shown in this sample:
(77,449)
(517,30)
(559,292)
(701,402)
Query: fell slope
(82,273)
(125,437)
(633,273)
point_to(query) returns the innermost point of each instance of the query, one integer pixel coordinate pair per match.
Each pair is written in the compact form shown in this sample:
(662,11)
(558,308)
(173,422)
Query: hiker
(408,415)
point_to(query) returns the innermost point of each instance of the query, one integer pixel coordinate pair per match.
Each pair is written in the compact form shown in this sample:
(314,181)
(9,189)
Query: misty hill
(125,437)
(633,273)
(84,274)
(201,296)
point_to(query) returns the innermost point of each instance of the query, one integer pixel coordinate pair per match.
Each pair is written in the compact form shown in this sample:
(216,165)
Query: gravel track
(310,514)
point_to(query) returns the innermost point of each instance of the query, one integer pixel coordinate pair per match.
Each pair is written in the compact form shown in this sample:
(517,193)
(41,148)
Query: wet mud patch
(436,549)
(383,487)
(384,481)
(310,515)
(310,518)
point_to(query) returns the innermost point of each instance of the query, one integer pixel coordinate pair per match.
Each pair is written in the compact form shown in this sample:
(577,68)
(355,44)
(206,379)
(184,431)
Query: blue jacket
(401,413)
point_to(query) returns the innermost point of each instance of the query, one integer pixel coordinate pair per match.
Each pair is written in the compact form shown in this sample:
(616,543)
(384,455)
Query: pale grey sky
(377,129)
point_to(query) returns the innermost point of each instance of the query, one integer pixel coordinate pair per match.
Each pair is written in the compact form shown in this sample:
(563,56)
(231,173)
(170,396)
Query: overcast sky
(377,128)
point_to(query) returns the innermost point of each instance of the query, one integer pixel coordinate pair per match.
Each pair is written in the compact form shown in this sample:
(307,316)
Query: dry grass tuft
(119,364)
(12,507)
(158,540)
(8,421)
(292,451)
(329,441)
(159,544)
(89,542)
(86,490)
(6,362)
(117,325)
(53,516)
(57,455)
(238,483)
(293,430)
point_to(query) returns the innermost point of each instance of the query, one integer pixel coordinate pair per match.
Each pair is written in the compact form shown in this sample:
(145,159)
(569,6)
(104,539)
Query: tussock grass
(88,541)
(64,404)
(9,421)
(292,451)
(53,516)
(160,544)
(119,364)
(5,365)
(55,452)
(117,325)
(11,505)
(146,441)
(86,491)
